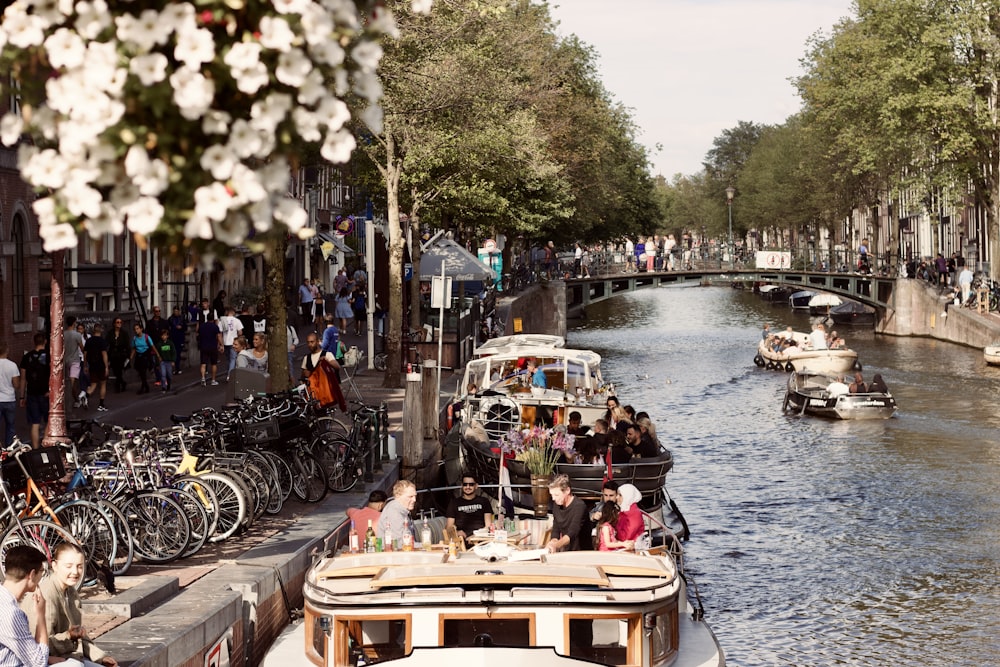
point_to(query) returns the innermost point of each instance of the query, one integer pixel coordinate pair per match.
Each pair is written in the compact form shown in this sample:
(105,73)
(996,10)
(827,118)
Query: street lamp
(730,191)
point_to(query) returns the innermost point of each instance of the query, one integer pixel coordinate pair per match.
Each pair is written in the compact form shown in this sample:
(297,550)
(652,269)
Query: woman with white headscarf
(630,523)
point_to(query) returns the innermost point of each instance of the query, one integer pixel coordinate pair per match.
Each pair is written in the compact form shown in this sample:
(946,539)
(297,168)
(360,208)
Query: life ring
(758,361)
(789,367)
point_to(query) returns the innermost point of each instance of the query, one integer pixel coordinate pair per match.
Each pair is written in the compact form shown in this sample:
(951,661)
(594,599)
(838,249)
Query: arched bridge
(872,290)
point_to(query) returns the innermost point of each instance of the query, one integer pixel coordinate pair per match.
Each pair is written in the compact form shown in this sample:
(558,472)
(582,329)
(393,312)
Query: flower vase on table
(539,449)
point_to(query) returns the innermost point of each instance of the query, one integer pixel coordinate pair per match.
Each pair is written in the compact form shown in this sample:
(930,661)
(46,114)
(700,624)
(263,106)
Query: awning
(326,237)
(459,263)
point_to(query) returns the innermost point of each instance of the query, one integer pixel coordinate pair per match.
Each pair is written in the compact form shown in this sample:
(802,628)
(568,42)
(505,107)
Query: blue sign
(407,272)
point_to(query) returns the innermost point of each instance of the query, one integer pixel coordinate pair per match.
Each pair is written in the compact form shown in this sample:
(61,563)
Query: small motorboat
(801,357)
(991,354)
(824,396)
(774,293)
(822,303)
(800,300)
(852,312)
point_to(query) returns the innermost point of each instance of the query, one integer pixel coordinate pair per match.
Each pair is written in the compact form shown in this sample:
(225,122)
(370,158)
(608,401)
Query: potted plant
(538,449)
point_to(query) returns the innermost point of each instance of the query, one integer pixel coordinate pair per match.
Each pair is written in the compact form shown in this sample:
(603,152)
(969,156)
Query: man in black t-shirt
(570,523)
(34,387)
(467,512)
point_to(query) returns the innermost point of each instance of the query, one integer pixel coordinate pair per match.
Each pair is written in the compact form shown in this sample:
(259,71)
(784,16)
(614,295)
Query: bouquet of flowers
(538,448)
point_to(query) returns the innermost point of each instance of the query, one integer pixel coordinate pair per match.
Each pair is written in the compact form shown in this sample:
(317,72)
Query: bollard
(413,426)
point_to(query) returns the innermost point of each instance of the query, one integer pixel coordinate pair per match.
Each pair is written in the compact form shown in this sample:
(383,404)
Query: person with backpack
(320,372)
(144,356)
(35,387)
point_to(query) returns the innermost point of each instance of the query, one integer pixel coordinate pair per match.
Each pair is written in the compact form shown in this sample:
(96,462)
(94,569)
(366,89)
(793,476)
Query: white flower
(195,47)
(219,160)
(144,215)
(293,67)
(344,12)
(23,30)
(275,33)
(372,117)
(150,176)
(266,114)
(215,122)
(368,86)
(307,124)
(101,66)
(317,25)
(46,121)
(123,194)
(178,16)
(198,227)
(338,146)
(45,210)
(52,12)
(233,230)
(289,212)
(144,32)
(246,185)
(421,6)
(313,89)
(44,169)
(251,79)
(150,68)
(57,237)
(340,83)
(242,55)
(80,199)
(212,201)
(328,53)
(11,128)
(108,222)
(244,139)
(65,49)
(367,55)
(261,214)
(333,113)
(275,175)
(92,18)
(383,22)
(290,6)
(193,92)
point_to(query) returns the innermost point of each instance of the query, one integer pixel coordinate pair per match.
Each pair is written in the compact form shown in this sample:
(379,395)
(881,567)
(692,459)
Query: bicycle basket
(258,433)
(44,465)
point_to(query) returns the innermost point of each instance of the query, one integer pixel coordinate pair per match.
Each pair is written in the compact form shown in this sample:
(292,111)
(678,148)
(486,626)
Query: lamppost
(730,191)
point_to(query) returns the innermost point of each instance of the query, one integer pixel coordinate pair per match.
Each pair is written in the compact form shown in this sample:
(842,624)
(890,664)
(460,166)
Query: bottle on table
(370,538)
(407,535)
(352,539)
(425,535)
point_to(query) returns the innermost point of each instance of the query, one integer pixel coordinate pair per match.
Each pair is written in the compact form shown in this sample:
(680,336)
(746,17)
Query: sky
(690,69)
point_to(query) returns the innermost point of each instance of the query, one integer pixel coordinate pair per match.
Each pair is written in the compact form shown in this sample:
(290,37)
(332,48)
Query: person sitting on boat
(837,388)
(371,511)
(817,338)
(395,519)
(570,523)
(878,385)
(586,450)
(600,436)
(858,386)
(609,494)
(607,539)
(640,443)
(467,512)
(537,375)
(765,332)
(630,524)
(609,415)
(618,446)
(573,425)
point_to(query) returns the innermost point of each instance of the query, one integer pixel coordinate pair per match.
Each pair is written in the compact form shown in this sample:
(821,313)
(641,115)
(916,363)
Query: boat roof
(541,352)
(504,343)
(825,300)
(364,579)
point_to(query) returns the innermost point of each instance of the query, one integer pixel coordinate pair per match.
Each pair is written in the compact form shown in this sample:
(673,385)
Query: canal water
(819,542)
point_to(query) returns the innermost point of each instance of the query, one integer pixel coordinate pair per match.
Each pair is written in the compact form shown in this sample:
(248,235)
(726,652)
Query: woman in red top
(630,524)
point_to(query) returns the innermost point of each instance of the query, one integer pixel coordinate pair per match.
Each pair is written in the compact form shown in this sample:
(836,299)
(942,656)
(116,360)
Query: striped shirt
(18,647)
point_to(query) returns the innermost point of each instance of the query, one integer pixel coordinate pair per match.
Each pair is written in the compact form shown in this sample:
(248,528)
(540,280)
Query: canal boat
(505,602)
(774,293)
(821,304)
(802,358)
(991,354)
(504,400)
(800,300)
(810,393)
(853,313)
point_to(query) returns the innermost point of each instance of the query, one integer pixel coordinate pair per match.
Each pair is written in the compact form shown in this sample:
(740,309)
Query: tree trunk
(395,317)
(277,313)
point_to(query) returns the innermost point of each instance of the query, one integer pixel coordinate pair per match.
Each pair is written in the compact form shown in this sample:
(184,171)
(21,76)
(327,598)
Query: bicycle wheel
(379,361)
(330,425)
(284,472)
(232,504)
(206,498)
(197,517)
(94,530)
(275,496)
(337,457)
(160,528)
(41,534)
(309,480)
(126,544)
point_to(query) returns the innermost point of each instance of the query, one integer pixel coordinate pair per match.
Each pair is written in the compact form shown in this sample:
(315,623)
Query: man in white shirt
(10,380)
(231,327)
(817,338)
(965,279)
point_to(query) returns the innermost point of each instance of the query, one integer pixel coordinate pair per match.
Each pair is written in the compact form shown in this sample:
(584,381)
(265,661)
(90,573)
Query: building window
(17,281)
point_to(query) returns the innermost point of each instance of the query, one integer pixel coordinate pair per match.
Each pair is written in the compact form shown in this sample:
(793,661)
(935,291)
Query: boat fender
(451,415)
(789,368)
(857,366)
(758,360)
(770,365)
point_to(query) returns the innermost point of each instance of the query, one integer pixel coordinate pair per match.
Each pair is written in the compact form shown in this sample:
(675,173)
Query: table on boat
(482,535)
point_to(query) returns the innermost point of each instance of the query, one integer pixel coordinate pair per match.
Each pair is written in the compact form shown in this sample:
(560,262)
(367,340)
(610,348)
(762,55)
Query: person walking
(143,356)
(306,302)
(359,306)
(10,382)
(178,333)
(231,327)
(293,342)
(119,351)
(34,387)
(167,353)
(96,352)
(73,359)
(343,309)
(210,347)
(319,303)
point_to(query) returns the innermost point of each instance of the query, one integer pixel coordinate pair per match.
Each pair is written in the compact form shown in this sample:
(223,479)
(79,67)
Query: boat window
(378,639)
(664,636)
(480,630)
(609,640)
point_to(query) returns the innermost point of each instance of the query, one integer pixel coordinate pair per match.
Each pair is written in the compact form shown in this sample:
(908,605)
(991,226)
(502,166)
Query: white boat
(991,354)
(809,393)
(499,605)
(505,400)
(822,303)
(802,358)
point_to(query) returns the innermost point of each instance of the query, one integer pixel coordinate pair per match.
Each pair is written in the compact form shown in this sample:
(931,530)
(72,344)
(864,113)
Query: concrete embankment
(922,310)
